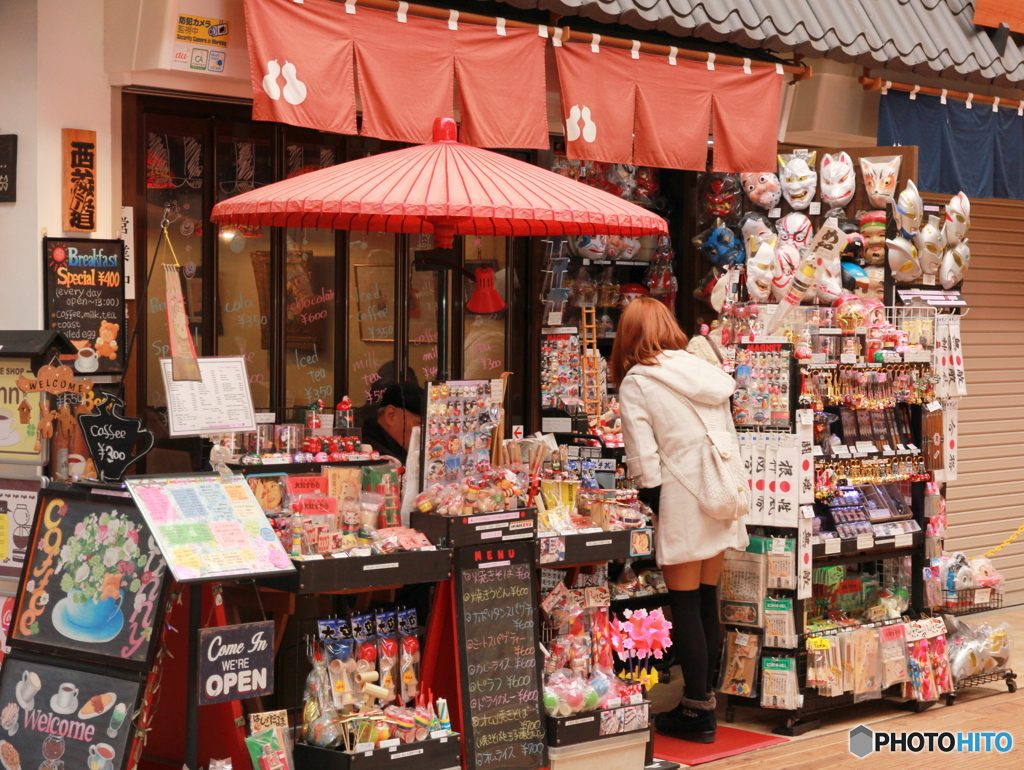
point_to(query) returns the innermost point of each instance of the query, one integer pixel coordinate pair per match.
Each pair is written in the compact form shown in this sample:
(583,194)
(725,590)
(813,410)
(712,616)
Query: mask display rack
(843,411)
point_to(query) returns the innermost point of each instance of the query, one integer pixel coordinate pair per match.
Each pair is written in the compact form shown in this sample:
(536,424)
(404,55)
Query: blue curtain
(978,151)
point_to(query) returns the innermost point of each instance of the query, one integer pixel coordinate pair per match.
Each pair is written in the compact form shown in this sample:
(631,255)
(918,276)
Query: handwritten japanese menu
(221,403)
(209,527)
(503,725)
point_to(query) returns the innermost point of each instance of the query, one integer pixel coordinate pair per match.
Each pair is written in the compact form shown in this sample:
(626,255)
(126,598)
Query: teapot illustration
(112,438)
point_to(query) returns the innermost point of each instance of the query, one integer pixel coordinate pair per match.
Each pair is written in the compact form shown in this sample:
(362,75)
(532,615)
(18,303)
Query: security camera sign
(236,662)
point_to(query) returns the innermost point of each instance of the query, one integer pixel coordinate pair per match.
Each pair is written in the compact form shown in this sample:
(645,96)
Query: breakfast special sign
(85,300)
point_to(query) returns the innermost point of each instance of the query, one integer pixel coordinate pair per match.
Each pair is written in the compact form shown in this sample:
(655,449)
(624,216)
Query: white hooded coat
(654,418)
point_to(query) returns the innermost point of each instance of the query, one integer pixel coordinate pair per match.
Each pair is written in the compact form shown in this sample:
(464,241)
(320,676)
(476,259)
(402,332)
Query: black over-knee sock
(688,639)
(712,628)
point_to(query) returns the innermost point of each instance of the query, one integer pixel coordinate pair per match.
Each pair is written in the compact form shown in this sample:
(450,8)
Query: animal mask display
(931,242)
(872,227)
(954,265)
(903,261)
(908,210)
(958,218)
(762,188)
(880,175)
(798,178)
(837,179)
(795,228)
(830,282)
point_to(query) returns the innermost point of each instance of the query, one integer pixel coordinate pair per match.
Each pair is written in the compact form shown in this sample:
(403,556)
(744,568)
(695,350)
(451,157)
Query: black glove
(650,497)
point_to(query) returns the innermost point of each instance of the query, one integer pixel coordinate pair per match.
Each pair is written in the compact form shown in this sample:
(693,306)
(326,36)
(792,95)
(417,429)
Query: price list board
(496,623)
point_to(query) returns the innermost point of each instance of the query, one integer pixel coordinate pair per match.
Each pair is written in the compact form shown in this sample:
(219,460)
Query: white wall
(51,78)
(20,249)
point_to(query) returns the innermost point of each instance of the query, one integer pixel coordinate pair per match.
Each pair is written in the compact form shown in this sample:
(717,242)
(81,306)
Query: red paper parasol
(445,188)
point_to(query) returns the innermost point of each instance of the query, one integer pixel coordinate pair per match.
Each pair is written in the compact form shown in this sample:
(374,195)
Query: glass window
(371,312)
(425,289)
(174,178)
(484,335)
(244,295)
(309,301)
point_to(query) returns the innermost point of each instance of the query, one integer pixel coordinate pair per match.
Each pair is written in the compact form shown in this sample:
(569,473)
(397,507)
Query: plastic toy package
(779,686)
(740,653)
(867,665)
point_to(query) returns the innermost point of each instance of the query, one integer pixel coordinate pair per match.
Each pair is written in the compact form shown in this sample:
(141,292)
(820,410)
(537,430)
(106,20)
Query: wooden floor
(988,708)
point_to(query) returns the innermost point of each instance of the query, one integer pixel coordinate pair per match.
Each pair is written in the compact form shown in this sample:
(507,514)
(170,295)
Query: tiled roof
(930,37)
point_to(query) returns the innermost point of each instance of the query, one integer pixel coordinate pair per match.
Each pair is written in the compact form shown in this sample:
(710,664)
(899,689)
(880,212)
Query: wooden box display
(432,754)
(328,573)
(583,548)
(594,725)
(478,529)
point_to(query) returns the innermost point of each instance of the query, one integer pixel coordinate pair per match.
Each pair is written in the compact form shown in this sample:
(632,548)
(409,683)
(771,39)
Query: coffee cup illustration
(7,429)
(101,756)
(65,701)
(87,360)
(26,690)
(76,465)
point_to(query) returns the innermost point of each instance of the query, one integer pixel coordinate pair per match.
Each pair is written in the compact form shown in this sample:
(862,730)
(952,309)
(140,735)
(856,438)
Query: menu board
(220,403)
(209,527)
(17,510)
(496,619)
(85,300)
(93,582)
(55,716)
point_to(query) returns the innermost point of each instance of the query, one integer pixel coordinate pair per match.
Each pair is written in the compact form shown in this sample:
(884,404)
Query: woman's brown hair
(646,328)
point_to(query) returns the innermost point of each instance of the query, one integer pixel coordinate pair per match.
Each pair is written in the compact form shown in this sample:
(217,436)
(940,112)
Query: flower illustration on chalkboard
(99,563)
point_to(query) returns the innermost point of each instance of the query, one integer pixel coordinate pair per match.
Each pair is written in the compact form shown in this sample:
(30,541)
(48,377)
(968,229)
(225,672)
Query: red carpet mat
(728,743)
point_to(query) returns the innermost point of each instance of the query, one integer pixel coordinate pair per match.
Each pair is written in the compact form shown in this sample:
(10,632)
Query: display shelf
(247,470)
(589,548)
(477,529)
(597,725)
(998,675)
(966,601)
(882,548)
(328,574)
(431,754)
(650,602)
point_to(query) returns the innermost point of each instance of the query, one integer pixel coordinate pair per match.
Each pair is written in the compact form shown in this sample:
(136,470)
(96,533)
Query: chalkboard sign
(51,715)
(236,662)
(85,300)
(8,168)
(111,438)
(93,582)
(496,619)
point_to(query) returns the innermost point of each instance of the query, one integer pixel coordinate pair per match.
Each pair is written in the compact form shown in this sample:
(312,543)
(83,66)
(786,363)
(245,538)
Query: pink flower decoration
(125,567)
(101,535)
(146,577)
(80,529)
(133,535)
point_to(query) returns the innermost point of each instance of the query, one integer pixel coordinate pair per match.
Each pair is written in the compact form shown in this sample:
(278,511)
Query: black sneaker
(691,720)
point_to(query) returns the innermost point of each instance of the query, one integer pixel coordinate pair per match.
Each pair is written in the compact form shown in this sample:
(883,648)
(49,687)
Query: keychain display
(763,381)
(560,367)
(461,418)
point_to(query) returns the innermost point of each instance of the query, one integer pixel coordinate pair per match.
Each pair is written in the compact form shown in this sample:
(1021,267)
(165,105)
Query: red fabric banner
(745,120)
(300,57)
(649,112)
(406,74)
(598,102)
(502,94)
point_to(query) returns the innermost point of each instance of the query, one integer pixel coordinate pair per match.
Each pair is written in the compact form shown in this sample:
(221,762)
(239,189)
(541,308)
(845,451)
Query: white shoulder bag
(724,493)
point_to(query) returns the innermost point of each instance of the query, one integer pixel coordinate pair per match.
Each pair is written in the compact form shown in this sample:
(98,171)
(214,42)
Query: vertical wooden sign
(79,189)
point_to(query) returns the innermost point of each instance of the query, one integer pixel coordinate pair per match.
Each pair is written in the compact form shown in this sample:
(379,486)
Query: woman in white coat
(664,436)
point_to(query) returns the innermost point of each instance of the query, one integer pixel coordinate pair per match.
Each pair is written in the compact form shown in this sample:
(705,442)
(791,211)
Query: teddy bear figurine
(106,343)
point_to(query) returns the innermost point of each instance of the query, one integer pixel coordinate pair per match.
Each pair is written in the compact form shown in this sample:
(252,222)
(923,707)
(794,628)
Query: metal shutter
(985,504)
